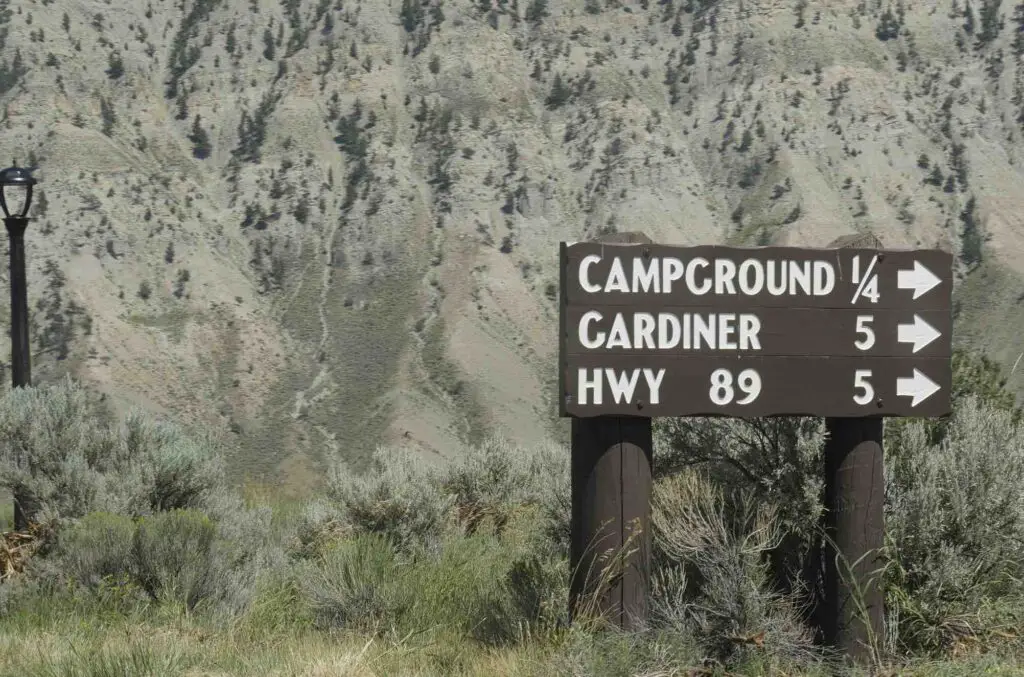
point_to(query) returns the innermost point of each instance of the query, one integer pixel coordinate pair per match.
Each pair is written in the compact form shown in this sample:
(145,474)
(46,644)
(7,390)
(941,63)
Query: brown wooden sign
(654,330)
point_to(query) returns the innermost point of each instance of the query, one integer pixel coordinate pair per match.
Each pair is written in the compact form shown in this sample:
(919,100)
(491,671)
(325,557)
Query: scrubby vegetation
(142,561)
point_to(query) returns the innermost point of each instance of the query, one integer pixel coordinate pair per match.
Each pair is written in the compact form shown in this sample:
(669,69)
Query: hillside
(335,223)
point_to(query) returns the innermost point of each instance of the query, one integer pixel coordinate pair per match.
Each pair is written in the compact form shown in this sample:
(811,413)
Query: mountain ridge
(332,225)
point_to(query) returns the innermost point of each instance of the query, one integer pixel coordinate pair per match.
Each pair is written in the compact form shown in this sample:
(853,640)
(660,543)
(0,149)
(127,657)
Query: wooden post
(851,615)
(611,506)
(854,493)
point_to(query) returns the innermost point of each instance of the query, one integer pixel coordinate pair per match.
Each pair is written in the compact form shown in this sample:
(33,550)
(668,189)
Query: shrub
(169,469)
(47,440)
(414,504)
(778,460)
(398,499)
(714,583)
(497,478)
(320,524)
(353,585)
(955,516)
(168,557)
(97,547)
(489,587)
(531,599)
(172,554)
(244,553)
(64,466)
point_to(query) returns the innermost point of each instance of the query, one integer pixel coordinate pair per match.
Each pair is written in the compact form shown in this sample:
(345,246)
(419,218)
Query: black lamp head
(16,189)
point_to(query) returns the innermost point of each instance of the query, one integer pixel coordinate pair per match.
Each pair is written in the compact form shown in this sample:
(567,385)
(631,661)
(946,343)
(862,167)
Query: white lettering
(668,331)
(712,331)
(776,278)
(619,336)
(721,276)
(691,280)
(617,278)
(654,384)
(622,390)
(644,280)
(588,317)
(584,278)
(704,330)
(725,332)
(623,385)
(824,278)
(749,326)
(725,271)
(799,276)
(643,331)
(671,270)
(751,287)
(584,384)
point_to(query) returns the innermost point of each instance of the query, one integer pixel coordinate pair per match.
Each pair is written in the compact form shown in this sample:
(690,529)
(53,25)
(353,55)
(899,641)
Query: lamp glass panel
(15,197)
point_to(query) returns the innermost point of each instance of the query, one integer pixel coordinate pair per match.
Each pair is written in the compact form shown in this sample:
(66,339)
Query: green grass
(439,607)
(188,647)
(422,571)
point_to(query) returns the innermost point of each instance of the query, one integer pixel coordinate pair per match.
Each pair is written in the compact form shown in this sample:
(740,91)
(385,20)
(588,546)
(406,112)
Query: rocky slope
(332,223)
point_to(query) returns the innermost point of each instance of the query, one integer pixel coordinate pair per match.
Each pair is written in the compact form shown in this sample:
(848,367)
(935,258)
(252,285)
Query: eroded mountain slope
(336,223)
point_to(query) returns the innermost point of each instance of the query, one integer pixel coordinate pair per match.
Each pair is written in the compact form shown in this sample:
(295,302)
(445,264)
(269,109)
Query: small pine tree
(182,104)
(179,284)
(1018,35)
(560,93)
(108,116)
(537,11)
(269,48)
(888,27)
(745,141)
(201,146)
(230,42)
(991,22)
(970,237)
(412,15)
(115,66)
(968,19)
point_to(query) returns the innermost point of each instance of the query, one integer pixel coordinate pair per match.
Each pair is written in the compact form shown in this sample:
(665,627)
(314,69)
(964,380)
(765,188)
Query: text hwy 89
(623,386)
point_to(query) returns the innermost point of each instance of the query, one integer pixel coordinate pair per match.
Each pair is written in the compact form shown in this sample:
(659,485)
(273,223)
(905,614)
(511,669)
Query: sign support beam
(610,551)
(851,616)
(852,610)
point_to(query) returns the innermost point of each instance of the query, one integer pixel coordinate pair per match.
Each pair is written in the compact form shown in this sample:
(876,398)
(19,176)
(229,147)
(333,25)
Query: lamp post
(15,197)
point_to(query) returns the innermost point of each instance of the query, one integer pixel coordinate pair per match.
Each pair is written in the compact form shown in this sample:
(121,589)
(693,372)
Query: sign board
(655,330)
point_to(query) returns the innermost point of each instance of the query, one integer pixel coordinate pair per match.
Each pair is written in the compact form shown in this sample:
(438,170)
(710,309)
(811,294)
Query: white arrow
(919,278)
(918,386)
(920,333)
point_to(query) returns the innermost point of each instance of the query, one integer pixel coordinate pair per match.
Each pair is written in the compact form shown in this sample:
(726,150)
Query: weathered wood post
(853,606)
(852,610)
(611,503)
